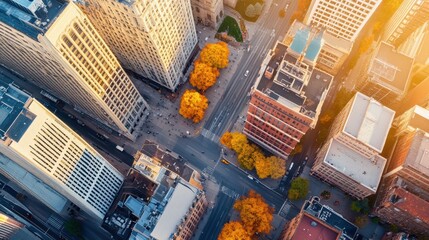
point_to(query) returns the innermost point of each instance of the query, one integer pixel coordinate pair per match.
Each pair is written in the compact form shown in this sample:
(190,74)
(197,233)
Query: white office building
(49,160)
(343,19)
(56,46)
(154,39)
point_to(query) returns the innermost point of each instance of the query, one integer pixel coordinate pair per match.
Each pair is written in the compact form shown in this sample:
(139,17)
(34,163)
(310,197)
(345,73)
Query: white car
(246,73)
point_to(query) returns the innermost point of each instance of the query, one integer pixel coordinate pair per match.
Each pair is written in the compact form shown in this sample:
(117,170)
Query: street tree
(226,139)
(233,231)
(277,167)
(193,105)
(203,76)
(262,166)
(282,13)
(255,214)
(299,188)
(245,157)
(238,141)
(215,55)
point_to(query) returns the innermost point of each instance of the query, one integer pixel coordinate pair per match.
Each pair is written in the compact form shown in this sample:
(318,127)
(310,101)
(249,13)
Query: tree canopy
(203,76)
(215,55)
(255,214)
(299,188)
(193,105)
(233,231)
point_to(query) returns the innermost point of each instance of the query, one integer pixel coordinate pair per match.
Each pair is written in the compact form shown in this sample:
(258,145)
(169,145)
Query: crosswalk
(209,170)
(55,222)
(209,135)
(230,192)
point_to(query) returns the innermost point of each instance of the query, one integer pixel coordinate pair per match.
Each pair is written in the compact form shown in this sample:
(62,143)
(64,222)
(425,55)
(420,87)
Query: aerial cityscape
(214,119)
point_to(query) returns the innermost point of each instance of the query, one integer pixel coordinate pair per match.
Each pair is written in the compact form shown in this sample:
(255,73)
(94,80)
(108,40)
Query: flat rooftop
(31,17)
(295,84)
(391,69)
(12,101)
(330,217)
(312,228)
(369,121)
(411,204)
(365,171)
(418,154)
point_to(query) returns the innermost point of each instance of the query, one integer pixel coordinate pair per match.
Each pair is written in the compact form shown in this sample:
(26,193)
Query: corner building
(56,46)
(154,39)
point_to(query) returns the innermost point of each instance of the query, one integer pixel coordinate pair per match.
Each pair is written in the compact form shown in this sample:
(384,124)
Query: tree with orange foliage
(277,167)
(203,76)
(193,105)
(215,55)
(226,139)
(238,142)
(262,166)
(233,231)
(245,157)
(255,214)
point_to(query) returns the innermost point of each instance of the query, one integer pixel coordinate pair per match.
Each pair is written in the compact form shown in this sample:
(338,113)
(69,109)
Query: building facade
(350,158)
(410,15)
(287,97)
(415,118)
(58,48)
(154,39)
(208,12)
(343,19)
(41,144)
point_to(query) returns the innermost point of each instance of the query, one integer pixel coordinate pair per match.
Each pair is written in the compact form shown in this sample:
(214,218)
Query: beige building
(154,39)
(343,19)
(208,12)
(334,50)
(49,160)
(350,159)
(57,47)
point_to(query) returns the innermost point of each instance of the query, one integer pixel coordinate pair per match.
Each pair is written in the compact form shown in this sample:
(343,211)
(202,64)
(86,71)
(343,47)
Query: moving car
(246,73)
(224,161)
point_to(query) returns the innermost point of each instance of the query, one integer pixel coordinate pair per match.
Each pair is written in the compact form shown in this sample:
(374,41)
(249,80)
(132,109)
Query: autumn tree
(193,105)
(215,55)
(226,139)
(245,157)
(277,167)
(255,214)
(262,166)
(233,231)
(299,188)
(203,76)
(238,141)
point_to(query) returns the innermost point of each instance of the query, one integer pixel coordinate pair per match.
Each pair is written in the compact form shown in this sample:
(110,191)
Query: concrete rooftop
(352,164)
(369,121)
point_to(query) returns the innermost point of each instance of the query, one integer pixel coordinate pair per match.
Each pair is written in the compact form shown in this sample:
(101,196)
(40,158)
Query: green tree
(73,227)
(361,220)
(299,188)
(360,206)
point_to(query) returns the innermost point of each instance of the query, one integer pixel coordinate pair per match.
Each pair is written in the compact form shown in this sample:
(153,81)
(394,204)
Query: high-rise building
(317,221)
(11,228)
(416,96)
(334,50)
(350,158)
(56,46)
(343,19)
(411,120)
(154,39)
(49,160)
(208,12)
(410,15)
(388,77)
(287,98)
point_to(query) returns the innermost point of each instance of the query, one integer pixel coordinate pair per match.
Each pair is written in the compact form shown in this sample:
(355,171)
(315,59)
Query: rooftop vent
(313,224)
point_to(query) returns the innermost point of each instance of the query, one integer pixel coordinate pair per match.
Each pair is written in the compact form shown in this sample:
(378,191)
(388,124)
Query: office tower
(410,15)
(334,50)
(343,19)
(316,221)
(208,12)
(403,204)
(417,96)
(56,46)
(287,97)
(388,76)
(49,160)
(350,158)
(154,39)
(411,120)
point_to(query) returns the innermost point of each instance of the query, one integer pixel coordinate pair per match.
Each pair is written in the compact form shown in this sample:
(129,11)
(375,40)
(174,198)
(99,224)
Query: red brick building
(287,98)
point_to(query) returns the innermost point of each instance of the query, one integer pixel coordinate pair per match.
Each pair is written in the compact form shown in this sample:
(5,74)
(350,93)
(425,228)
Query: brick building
(287,98)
